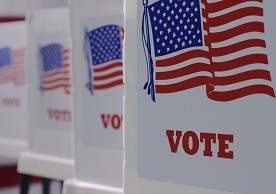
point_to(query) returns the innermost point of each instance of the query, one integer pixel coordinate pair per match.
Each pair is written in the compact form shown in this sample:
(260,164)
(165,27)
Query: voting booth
(200,97)
(51,104)
(13,89)
(97,33)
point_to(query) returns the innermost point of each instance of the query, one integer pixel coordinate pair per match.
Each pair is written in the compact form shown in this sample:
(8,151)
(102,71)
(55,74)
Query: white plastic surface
(51,148)
(13,98)
(99,169)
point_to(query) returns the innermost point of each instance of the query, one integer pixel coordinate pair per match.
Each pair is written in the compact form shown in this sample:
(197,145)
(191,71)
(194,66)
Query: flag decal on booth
(216,44)
(55,68)
(12,66)
(103,52)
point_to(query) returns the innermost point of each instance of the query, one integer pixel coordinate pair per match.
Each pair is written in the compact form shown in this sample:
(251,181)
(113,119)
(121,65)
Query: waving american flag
(217,44)
(55,68)
(103,51)
(12,66)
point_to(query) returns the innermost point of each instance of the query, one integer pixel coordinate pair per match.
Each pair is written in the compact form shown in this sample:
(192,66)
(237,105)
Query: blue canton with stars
(176,25)
(51,57)
(105,44)
(5,57)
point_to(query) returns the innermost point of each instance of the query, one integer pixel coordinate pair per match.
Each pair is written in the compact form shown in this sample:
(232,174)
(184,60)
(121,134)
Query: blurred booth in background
(50,154)
(97,33)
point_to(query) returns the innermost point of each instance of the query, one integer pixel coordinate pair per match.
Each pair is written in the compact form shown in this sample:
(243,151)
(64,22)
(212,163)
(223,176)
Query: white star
(155,28)
(190,42)
(161,32)
(181,21)
(162,4)
(172,12)
(199,40)
(179,39)
(184,15)
(196,9)
(173,23)
(160,21)
(196,20)
(168,49)
(184,3)
(183,44)
(192,3)
(163,44)
(198,31)
(171,41)
(187,9)
(185,27)
(158,11)
(168,7)
(181,33)
(189,32)
(166,37)
(174,34)
(169,30)
(164,14)
(176,46)
(177,28)
(175,5)
(152,9)
(194,36)
(186,37)
(180,10)
(192,26)
(165,25)
(171,1)
(158,39)
(168,18)
(188,20)
(176,17)
(158,51)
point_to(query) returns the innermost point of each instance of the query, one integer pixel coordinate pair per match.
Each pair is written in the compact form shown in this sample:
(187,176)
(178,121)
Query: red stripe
(181,58)
(242,92)
(248,75)
(240,62)
(56,80)
(197,67)
(241,29)
(108,76)
(109,85)
(55,73)
(56,86)
(235,15)
(237,47)
(112,65)
(218,6)
(184,85)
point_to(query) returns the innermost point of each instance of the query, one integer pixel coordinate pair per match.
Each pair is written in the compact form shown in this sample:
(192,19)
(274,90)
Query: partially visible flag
(219,44)
(12,66)
(103,50)
(55,68)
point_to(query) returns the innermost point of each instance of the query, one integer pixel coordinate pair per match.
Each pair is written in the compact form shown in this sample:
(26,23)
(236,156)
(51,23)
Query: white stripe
(242,69)
(235,55)
(112,70)
(236,23)
(183,64)
(106,64)
(237,39)
(61,82)
(107,81)
(243,84)
(182,78)
(234,8)
(204,48)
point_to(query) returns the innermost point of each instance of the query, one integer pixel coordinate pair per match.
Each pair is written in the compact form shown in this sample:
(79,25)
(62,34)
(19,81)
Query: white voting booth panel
(97,33)
(51,102)
(13,89)
(200,97)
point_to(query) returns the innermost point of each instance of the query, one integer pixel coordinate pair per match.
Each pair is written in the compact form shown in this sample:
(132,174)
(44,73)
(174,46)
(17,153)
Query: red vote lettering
(115,121)
(11,102)
(60,115)
(191,143)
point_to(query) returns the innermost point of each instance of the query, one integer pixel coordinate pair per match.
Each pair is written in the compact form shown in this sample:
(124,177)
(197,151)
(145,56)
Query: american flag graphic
(103,50)
(12,66)
(219,44)
(55,68)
